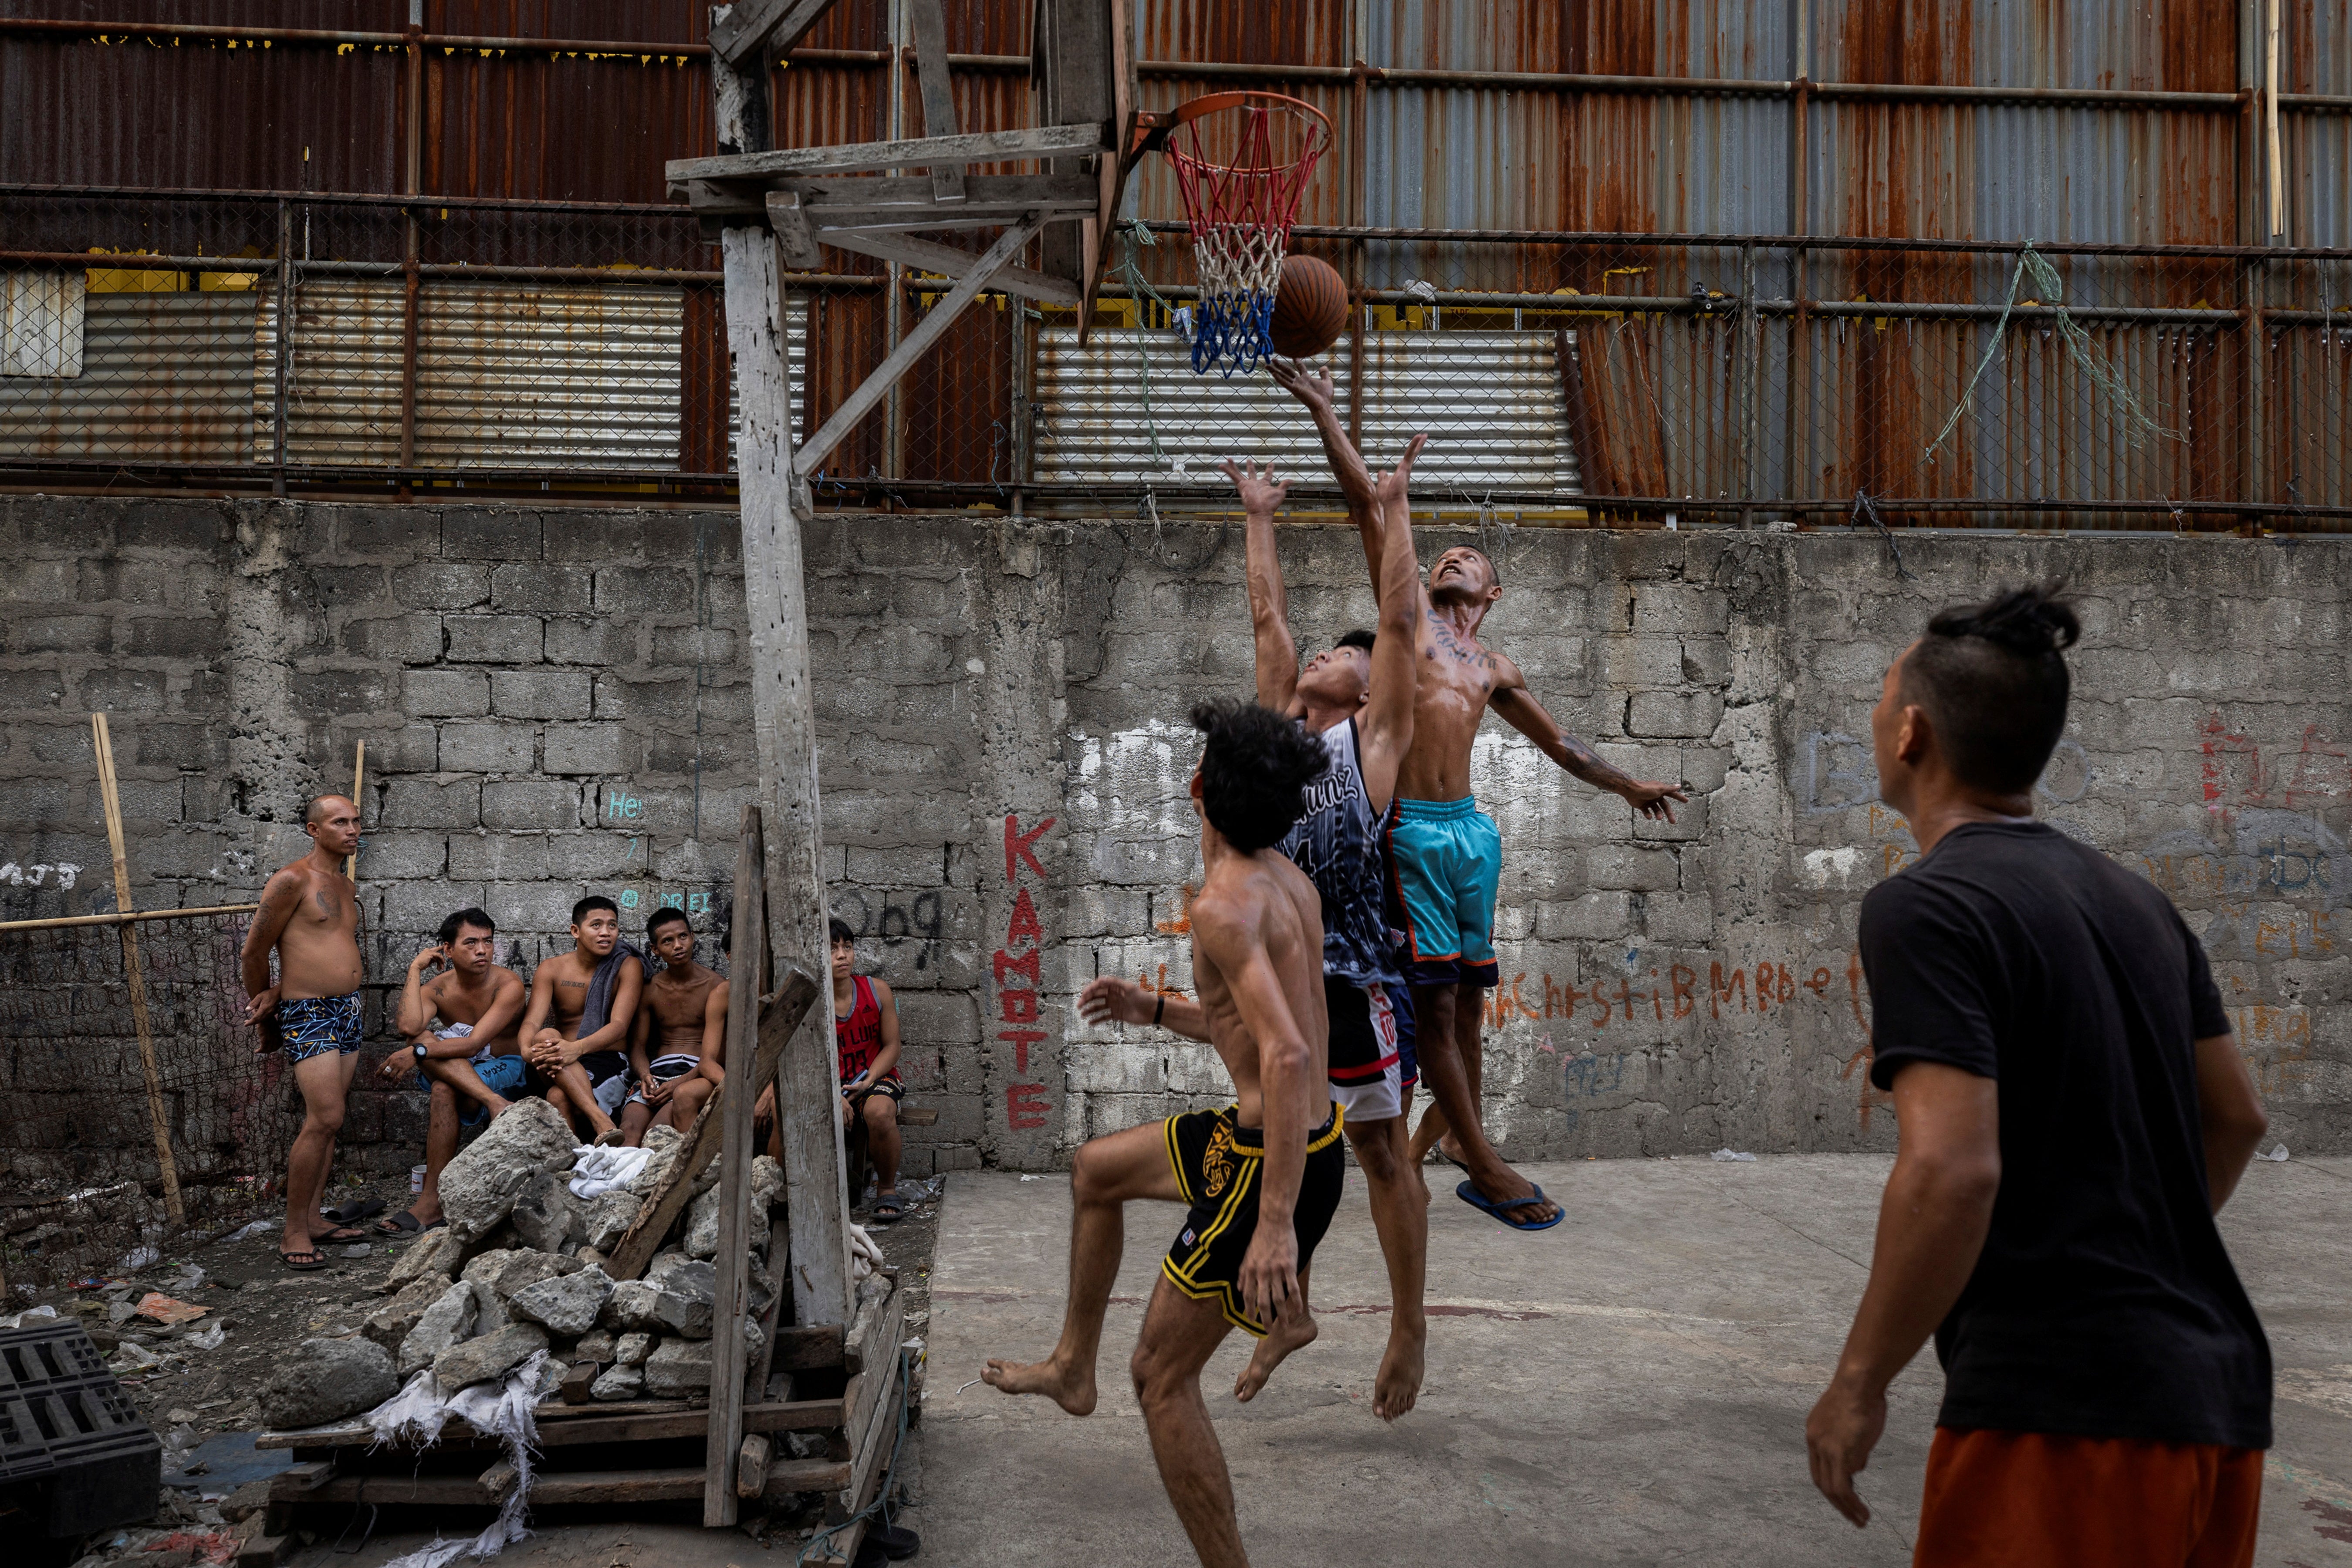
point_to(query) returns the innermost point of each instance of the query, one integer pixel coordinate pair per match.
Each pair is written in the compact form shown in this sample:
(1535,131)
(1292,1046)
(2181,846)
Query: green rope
(1139,289)
(2138,424)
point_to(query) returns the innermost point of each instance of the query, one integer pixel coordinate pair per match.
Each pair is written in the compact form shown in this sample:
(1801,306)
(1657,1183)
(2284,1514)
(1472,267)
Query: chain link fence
(82,1191)
(312,344)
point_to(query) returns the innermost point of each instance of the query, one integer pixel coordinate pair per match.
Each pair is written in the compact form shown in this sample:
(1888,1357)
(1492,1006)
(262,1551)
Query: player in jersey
(866,1037)
(1357,699)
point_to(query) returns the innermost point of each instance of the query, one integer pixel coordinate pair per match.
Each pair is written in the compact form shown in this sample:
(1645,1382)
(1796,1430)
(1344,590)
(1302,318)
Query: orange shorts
(2036,1500)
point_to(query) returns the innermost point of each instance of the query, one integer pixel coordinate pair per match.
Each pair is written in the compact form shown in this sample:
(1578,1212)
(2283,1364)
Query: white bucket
(416,1179)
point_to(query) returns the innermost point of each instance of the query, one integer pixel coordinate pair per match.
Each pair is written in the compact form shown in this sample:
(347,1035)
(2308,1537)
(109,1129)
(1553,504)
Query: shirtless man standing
(1357,700)
(1262,1176)
(684,1013)
(309,915)
(472,1057)
(575,1032)
(1446,853)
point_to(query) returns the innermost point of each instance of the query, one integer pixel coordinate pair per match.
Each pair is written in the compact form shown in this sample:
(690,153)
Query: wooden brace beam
(946,260)
(938,98)
(921,151)
(776,23)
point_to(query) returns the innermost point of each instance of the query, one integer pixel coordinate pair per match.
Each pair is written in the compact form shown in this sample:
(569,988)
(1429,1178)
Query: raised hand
(1394,484)
(1112,1000)
(1649,797)
(1256,483)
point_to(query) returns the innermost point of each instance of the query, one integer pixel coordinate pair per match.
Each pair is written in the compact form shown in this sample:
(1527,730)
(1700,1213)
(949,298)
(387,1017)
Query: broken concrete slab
(679,1367)
(564,1303)
(479,1187)
(448,1321)
(394,1321)
(326,1380)
(489,1356)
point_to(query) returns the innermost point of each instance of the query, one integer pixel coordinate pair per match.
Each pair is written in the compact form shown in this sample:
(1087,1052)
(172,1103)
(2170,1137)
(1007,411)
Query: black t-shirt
(2104,1304)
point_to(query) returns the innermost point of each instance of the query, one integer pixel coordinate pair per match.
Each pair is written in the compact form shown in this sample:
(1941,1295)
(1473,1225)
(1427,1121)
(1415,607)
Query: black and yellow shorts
(1218,1166)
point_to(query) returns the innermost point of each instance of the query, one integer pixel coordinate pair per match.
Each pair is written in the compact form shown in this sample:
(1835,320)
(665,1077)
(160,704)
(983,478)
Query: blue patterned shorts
(313,1026)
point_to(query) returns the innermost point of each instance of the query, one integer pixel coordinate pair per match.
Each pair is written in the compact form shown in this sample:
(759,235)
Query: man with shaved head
(310,917)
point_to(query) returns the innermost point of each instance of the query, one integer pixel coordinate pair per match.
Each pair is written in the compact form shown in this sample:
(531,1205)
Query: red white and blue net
(1242,161)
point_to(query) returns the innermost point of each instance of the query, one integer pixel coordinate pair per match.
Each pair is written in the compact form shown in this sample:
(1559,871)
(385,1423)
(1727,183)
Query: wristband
(1160,1010)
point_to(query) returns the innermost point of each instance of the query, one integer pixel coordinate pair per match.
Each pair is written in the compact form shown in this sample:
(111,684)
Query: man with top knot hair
(2073,1112)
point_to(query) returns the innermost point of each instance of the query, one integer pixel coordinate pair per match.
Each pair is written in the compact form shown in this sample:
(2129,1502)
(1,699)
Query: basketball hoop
(1242,161)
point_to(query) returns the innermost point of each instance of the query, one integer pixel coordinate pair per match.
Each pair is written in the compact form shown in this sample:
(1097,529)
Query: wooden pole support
(104,746)
(359,783)
(748,939)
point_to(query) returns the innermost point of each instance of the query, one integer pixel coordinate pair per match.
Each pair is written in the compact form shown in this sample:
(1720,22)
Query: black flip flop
(405,1223)
(888,1210)
(342,1236)
(356,1209)
(897,1542)
(318,1260)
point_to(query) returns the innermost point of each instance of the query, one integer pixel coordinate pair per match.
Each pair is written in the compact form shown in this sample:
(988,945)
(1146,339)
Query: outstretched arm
(1387,731)
(1111,999)
(1277,651)
(1348,465)
(1518,707)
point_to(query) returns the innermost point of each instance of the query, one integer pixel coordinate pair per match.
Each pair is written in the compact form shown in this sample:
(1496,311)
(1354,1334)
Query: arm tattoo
(1581,760)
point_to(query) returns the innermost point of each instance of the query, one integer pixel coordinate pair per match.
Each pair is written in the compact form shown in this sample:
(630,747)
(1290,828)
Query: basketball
(1310,309)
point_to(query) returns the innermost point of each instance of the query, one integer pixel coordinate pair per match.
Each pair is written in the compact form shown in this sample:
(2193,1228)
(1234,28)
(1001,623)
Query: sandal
(343,1234)
(406,1223)
(292,1260)
(356,1209)
(888,1209)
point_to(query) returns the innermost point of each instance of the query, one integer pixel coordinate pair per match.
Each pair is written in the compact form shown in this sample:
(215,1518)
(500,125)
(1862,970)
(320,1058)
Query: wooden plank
(930,29)
(574,1386)
(159,1124)
(769,27)
(771,503)
(732,1291)
(615,1423)
(912,152)
(870,392)
(787,1477)
(302,1480)
(498,1479)
(755,1380)
(873,1444)
(264,1551)
(751,1466)
(779,1015)
(1019,192)
(795,234)
(808,1347)
(933,257)
(547,1487)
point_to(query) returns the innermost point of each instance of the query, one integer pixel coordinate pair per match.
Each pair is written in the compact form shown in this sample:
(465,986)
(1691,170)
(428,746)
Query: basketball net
(1241,181)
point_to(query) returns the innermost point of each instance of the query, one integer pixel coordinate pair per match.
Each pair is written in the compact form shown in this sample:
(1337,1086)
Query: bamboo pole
(359,782)
(105,749)
(2271,120)
(56,921)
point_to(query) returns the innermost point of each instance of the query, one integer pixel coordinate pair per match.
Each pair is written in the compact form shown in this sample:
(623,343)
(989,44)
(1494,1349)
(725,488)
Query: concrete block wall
(1004,754)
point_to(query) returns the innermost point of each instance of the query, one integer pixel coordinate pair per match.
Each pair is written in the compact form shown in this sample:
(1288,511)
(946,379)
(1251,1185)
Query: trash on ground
(1728,1154)
(208,1339)
(165,1309)
(28,1316)
(2277,1154)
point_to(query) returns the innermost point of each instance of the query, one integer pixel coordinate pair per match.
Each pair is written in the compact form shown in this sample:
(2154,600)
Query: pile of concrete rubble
(517,1270)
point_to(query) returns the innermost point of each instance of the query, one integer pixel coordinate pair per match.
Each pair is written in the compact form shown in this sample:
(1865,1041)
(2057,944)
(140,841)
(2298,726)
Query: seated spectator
(682,1023)
(463,1048)
(866,1037)
(575,1031)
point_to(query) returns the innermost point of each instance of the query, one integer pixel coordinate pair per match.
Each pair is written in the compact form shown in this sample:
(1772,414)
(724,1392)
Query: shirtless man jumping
(1356,697)
(1262,1176)
(575,1032)
(471,1063)
(681,1024)
(1446,853)
(309,916)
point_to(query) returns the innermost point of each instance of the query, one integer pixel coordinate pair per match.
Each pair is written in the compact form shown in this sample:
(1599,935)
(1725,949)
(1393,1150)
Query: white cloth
(503,1410)
(596,1172)
(864,1255)
(461,1032)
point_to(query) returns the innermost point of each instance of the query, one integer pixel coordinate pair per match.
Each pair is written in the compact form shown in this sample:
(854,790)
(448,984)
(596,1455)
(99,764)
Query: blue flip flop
(1469,1193)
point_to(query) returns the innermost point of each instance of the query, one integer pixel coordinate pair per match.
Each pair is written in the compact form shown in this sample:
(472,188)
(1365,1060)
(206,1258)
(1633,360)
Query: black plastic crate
(73,1452)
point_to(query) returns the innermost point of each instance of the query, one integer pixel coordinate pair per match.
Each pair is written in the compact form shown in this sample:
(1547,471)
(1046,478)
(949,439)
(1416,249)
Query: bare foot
(1292,1331)
(1398,1383)
(1073,1390)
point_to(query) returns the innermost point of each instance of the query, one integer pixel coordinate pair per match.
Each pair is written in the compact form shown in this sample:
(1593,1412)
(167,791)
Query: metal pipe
(412,287)
(283,350)
(616,48)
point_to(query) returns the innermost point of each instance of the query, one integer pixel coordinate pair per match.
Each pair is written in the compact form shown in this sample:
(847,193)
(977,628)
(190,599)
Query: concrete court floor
(1630,1387)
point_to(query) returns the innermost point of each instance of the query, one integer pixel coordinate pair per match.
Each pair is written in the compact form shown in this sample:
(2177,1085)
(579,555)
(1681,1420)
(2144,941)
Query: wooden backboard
(1082,71)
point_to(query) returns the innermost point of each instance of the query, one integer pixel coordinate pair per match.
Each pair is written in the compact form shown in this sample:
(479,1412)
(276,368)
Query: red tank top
(857,1039)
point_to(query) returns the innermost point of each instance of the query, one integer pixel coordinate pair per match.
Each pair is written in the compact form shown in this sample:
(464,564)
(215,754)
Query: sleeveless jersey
(1337,842)
(857,1039)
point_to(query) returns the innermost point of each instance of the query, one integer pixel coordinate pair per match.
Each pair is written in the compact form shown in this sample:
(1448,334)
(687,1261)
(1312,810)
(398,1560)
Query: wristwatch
(420,1051)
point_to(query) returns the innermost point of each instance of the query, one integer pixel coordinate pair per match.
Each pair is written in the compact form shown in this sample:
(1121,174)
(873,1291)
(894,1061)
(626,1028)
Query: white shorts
(1372,1099)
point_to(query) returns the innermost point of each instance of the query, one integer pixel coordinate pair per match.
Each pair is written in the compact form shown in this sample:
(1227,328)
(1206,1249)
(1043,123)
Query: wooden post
(104,746)
(359,783)
(730,1297)
(774,505)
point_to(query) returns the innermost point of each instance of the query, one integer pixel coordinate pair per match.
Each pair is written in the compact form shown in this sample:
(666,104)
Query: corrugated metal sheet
(165,378)
(583,377)
(1491,403)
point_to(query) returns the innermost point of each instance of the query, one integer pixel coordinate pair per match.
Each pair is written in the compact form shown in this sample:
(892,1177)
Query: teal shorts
(1445,859)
